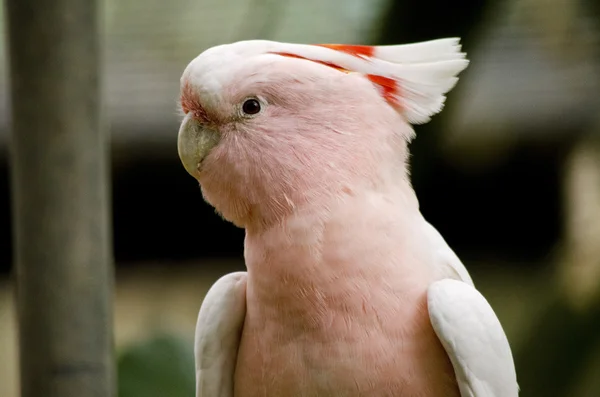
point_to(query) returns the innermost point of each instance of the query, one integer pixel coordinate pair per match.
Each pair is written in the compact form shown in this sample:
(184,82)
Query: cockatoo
(349,291)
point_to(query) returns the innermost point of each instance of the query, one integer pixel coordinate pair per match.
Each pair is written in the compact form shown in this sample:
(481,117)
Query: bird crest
(412,78)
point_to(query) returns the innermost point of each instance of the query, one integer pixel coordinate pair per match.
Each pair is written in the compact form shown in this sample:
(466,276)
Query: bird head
(271,127)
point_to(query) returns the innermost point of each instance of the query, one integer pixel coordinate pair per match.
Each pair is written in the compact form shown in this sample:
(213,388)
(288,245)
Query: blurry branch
(60,199)
(579,269)
(262,20)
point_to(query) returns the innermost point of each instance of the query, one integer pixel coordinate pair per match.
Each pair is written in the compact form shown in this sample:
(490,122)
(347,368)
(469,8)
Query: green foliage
(160,367)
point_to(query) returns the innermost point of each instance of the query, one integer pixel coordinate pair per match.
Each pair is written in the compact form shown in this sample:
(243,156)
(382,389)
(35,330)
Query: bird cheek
(194,143)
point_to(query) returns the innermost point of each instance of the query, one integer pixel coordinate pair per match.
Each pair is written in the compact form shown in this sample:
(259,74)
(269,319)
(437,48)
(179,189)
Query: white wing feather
(473,338)
(218,333)
(446,259)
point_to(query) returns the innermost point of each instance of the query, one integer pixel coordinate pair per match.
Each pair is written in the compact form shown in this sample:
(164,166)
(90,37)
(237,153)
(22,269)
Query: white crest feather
(414,78)
(424,72)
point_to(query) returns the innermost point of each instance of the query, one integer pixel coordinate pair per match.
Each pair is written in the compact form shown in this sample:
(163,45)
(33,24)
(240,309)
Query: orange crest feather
(388,86)
(365,51)
(390,89)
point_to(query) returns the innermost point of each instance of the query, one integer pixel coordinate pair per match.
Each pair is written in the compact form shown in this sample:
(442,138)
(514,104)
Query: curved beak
(194,143)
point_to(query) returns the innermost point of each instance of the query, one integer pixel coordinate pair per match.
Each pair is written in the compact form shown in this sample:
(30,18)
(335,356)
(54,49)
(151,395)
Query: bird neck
(317,260)
(321,200)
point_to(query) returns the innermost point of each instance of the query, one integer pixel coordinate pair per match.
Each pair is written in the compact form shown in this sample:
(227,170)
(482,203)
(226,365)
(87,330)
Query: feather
(412,78)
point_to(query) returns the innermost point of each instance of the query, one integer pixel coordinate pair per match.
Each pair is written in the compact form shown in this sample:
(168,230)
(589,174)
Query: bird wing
(474,339)
(445,255)
(218,333)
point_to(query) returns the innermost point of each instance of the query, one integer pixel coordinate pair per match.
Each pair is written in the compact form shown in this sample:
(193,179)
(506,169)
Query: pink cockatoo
(349,291)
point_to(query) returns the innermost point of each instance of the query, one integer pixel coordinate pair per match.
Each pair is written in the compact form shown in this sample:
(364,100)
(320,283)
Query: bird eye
(251,106)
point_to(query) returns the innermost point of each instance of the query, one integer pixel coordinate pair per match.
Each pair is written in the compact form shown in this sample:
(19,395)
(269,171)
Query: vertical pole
(64,274)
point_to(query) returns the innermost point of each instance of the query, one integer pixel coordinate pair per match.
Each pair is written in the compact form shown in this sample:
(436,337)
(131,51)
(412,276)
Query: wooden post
(64,272)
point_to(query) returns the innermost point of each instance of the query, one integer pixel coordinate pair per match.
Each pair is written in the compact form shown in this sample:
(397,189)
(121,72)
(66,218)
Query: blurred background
(509,173)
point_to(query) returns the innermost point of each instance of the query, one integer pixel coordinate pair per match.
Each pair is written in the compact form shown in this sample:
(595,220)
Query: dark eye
(251,106)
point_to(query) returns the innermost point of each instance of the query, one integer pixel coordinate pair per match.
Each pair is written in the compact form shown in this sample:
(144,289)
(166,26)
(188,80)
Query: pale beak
(194,143)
